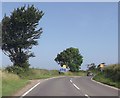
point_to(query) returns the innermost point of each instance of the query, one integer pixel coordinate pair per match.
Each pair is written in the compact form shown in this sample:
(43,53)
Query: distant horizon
(91,27)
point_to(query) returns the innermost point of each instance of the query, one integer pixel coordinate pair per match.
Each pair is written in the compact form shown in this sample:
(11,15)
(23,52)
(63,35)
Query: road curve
(71,86)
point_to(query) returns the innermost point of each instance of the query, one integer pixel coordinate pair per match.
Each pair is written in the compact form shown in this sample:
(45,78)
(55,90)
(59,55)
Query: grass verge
(100,77)
(12,82)
(38,74)
(80,73)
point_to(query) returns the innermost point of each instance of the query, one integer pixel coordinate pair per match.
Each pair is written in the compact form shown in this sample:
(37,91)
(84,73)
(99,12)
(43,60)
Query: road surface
(71,86)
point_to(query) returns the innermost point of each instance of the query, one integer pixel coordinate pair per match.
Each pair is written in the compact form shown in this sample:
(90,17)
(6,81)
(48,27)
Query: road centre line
(29,90)
(76,86)
(71,81)
(87,96)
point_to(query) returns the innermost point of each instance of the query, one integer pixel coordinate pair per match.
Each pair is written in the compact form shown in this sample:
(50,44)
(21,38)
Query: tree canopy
(70,57)
(0,34)
(20,34)
(91,66)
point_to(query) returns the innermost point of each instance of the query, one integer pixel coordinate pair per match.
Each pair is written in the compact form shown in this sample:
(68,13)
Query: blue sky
(91,27)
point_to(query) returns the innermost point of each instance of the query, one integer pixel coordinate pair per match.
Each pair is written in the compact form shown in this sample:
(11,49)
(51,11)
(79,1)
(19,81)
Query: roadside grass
(80,73)
(12,82)
(100,77)
(43,74)
(110,75)
(38,74)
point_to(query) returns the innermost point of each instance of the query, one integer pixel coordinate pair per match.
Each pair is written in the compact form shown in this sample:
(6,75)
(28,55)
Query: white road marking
(37,85)
(71,81)
(104,84)
(79,88)
(29,90)
(76,86)
(87,96)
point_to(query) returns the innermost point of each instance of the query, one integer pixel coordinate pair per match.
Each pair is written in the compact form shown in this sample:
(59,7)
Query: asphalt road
(71,86)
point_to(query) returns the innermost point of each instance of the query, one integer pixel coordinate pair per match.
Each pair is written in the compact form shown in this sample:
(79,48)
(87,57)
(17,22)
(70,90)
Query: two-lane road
(71,86)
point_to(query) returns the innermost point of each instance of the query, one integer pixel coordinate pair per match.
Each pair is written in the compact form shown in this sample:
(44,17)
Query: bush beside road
(110,75)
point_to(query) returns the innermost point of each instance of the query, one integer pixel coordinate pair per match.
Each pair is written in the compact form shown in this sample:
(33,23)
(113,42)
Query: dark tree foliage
(0,34)
(20,34)
(70,57)
(91,66)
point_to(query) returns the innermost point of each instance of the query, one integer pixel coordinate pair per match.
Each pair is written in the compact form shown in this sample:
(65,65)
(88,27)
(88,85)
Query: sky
(60,0)
(91,27)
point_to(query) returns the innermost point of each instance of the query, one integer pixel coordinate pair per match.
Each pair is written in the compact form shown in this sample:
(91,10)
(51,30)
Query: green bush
(14,69)
(102,78)
(112,72)
(20,71)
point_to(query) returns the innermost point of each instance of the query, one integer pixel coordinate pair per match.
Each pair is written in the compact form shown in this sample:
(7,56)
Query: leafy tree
(20,33)
(91,66)
(70,57)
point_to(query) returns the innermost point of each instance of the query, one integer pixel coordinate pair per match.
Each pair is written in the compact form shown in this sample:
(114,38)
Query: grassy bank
(12,82)
(101,78)
(80,73)
(39,74)
(110,75)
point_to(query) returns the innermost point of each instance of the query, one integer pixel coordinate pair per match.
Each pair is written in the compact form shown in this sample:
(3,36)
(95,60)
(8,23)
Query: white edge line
(104,84)
(29,90)
(76,86)
(37,85)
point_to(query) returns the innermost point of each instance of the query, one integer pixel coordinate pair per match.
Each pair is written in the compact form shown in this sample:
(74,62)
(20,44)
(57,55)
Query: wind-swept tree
(20,34)
(70,57)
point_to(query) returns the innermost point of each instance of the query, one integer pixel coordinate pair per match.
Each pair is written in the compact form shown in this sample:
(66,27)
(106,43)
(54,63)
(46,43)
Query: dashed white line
(76,86)
(71,81)
(29,90)
(87,96)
